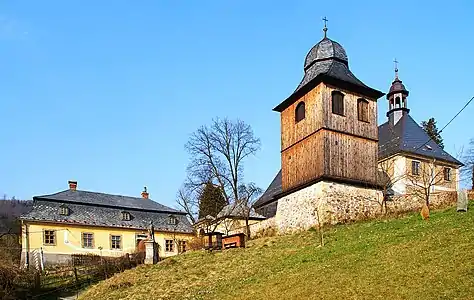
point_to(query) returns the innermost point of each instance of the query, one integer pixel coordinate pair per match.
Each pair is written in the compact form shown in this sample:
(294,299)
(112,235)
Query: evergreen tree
(211,201)
(431,129)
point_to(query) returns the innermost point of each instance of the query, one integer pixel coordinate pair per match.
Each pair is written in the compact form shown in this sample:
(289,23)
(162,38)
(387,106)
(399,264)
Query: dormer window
(338,103)
(299,112)
(172,220)
(126,216)
(64,210)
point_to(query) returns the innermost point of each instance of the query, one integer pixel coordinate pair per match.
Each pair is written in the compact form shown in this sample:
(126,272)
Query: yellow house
(82,222)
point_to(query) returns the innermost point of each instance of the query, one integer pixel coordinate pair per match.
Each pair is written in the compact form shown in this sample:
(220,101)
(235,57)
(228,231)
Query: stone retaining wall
(339,203)
(470,195)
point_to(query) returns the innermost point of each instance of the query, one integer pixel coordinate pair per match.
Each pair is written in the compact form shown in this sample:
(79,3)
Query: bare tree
(249,193)
(323,216)
(188,200)
(424,179)
(468,159)
(218,153)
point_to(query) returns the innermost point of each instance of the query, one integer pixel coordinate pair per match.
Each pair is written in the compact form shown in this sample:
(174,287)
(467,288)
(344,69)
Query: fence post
(37,281)
(104,265)
(75,274)
(41,259)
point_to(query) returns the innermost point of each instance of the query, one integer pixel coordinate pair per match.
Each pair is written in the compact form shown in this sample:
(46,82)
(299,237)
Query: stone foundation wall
(260,228)
(470,195)
(48,259)
(407,203)
(339,203)
(333,202)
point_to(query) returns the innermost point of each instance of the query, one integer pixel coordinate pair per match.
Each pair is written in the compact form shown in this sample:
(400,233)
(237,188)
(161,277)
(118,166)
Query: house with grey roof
(232,219)
(74,221)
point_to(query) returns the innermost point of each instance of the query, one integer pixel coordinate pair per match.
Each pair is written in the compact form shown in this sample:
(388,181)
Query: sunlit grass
(405,258)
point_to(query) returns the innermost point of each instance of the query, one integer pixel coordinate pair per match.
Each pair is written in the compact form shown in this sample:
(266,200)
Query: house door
(139,238)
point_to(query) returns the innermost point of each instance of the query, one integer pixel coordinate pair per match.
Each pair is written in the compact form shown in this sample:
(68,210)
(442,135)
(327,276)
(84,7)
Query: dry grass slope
(406,258)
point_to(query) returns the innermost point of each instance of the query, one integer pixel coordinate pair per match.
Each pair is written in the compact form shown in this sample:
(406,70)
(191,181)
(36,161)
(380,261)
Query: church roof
(238,210)
(407,136)
(397,87)
(327,62)
(325,49)
(273,189)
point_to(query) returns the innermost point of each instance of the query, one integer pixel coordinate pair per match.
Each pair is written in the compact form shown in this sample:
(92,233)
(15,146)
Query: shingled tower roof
(327,62)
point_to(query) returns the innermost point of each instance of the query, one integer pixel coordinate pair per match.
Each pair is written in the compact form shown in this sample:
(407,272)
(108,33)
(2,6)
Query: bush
(8,273)
(197,243)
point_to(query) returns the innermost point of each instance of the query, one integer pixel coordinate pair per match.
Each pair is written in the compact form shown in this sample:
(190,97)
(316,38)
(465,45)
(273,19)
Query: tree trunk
(247,227)
(472,176)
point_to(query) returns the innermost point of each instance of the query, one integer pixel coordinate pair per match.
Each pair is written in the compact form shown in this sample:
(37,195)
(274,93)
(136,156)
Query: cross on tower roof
(325,26)
(396,67)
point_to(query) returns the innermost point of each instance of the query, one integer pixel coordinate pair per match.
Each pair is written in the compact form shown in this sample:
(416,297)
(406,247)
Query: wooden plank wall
(349,122)
(308,153)
(350,157)
(292,132)
(303,162)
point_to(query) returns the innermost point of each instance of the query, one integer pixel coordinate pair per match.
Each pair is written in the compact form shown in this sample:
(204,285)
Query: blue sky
(108,92)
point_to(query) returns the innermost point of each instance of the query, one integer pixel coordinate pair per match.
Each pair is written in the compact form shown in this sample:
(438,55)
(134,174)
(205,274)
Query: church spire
(397,99)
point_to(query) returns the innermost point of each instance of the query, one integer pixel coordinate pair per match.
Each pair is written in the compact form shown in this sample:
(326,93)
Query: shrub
(197,243)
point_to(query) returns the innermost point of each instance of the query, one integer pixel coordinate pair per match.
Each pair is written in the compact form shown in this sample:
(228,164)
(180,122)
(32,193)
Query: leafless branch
(217,155)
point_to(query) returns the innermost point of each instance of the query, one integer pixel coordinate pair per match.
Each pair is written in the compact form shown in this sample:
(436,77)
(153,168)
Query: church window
(299,112)
(337,103)
(415,167)
(397,102)
(447,174)
(363,110)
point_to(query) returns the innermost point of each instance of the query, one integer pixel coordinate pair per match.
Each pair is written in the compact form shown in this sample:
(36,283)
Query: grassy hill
(406,258)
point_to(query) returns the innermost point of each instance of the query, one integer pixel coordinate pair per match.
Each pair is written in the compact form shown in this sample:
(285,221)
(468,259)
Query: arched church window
(338,103)
(397,102)
(363,110)
(299,112)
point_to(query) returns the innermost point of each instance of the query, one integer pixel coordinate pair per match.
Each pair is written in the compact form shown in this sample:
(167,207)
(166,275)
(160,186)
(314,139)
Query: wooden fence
(83,270)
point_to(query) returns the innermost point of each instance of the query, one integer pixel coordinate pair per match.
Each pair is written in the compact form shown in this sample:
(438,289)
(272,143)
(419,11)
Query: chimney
(145,193)
(72,185)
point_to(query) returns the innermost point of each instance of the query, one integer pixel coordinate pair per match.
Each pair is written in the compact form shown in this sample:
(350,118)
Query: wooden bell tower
(329,124)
